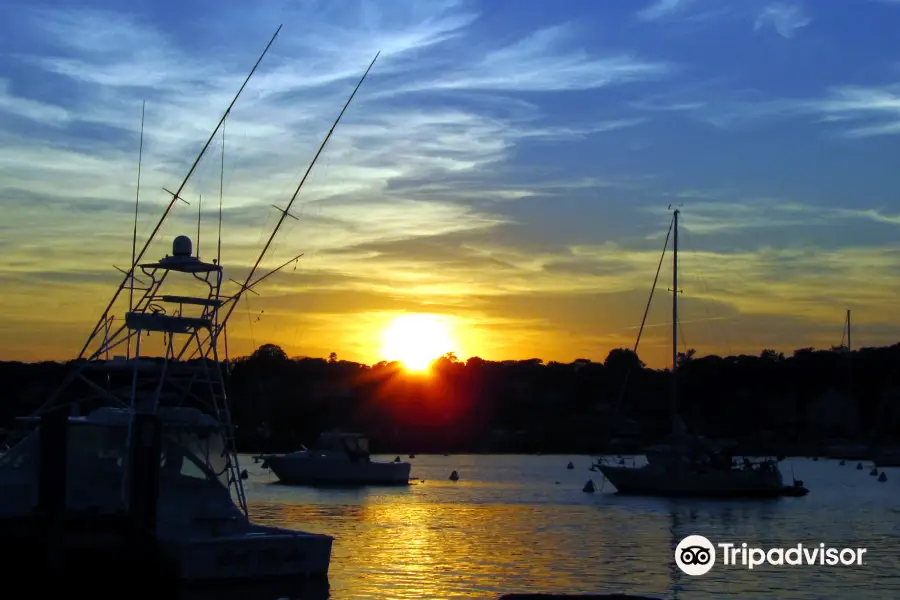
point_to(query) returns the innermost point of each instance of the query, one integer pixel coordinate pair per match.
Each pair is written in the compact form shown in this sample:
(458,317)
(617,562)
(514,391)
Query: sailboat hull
(695,483)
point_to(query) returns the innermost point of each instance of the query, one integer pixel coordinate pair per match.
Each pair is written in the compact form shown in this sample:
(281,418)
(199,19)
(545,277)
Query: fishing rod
(287,209)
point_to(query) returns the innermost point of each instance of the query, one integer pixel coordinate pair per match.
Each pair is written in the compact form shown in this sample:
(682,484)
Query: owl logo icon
(695,555)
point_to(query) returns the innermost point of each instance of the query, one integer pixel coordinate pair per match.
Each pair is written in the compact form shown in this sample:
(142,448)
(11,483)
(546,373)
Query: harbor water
(523,524)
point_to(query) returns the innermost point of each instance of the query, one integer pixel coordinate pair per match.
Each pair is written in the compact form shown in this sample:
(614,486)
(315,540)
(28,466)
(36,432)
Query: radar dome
(181,246)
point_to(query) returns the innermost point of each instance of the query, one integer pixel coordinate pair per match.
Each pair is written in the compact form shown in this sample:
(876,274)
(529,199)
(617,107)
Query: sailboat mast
(849,339)
(674,310)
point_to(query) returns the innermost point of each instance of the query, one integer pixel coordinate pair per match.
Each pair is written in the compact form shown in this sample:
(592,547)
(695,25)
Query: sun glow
(417,339)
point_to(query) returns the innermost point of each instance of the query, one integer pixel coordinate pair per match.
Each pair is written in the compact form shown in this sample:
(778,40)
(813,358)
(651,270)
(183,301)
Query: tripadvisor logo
(696,555)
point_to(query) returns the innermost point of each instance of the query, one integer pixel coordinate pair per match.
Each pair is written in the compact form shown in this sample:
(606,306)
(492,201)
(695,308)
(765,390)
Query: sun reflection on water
(463,551)
(522,524)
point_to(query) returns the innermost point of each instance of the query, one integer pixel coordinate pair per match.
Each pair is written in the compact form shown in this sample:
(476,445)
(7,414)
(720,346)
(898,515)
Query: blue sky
(507,165)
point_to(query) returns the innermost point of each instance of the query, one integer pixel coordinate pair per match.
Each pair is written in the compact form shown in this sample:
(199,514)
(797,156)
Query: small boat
(337,459)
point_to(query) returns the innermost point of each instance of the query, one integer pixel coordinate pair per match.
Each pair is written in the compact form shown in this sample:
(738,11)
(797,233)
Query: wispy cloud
(786,19)
(877,107)
(722,212)
(663,8)
(852,111)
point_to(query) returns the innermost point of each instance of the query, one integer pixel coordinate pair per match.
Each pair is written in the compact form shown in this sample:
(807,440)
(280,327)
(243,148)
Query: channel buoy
(843,462)
(570,465)
(874,471)
(589,487)
(815,458)
(883,477)
(859,466)
(412,455)
(397,459)
(454,476)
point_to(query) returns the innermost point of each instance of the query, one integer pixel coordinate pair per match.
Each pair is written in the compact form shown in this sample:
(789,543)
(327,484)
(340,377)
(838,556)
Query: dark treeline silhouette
(768,403)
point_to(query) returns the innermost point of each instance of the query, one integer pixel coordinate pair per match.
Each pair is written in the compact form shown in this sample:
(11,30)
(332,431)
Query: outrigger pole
(249,282)
(175,196)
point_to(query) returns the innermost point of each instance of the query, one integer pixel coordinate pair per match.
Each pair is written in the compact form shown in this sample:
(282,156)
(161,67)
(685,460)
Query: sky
(507,166)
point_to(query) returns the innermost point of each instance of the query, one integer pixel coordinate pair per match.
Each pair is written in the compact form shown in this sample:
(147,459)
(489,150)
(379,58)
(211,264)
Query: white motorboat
(337,459)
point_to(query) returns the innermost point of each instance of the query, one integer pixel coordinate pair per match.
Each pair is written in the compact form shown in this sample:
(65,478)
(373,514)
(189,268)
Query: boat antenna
(221,194)
(175,196)
(137,197)
(199,216)
(286,211)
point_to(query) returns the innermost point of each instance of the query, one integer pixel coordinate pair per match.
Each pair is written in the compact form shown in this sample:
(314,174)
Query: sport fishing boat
(202,520)
(151,430)
(688,465)
(337,459)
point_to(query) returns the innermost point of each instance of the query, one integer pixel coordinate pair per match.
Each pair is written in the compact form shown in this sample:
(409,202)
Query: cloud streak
(663,8)
(784,18)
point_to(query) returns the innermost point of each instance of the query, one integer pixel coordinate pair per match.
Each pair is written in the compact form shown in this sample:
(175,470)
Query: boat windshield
(199,455)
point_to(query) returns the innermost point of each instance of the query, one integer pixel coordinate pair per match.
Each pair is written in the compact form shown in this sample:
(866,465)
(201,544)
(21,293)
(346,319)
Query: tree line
(769,402)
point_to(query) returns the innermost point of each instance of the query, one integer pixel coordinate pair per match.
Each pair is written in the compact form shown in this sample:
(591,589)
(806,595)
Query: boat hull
(695,484)
(315,471)
(260,553)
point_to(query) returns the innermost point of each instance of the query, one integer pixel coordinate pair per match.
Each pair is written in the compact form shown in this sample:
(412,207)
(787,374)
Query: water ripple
(508,526)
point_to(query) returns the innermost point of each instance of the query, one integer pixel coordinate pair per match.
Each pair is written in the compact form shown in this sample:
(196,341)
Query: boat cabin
(193,478)
(354,445)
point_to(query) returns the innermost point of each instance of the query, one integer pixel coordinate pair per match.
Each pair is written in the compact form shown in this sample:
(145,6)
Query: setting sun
(417,339)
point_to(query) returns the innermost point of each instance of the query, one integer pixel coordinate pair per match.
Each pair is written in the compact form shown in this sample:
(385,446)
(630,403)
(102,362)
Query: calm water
(507,526)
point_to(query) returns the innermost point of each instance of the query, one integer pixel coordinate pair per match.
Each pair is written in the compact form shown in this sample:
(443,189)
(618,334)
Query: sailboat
(689,465)
(882,455)
(150,432)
